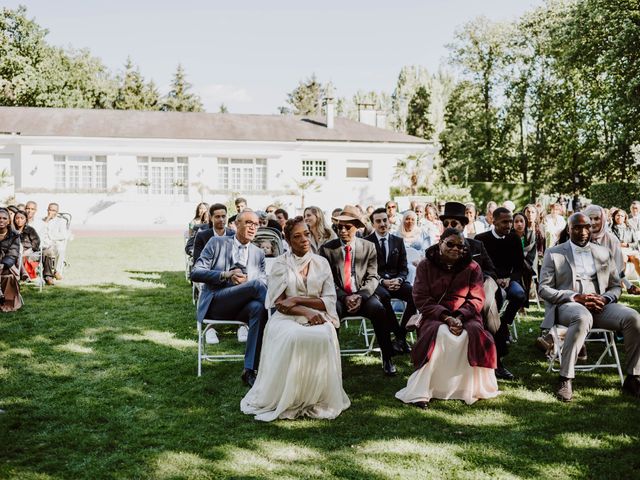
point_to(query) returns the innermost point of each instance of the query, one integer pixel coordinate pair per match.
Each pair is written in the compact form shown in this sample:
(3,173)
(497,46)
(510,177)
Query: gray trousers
(580,320)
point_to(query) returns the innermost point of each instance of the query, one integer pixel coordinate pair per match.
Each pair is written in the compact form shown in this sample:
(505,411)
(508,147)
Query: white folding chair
(369,337)
(606,337)
(203,327)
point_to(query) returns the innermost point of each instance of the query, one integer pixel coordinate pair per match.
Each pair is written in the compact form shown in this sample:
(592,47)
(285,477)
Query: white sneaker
(211,336)
(243,333)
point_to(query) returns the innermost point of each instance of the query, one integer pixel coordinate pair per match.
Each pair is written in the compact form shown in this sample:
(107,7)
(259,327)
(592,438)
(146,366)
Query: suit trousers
(49,255)
(516,297)
(580,320)
(372,309)
(244,302)
(404,293)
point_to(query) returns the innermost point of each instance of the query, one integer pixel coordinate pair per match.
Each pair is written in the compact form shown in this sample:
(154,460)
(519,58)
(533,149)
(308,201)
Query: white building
(131,168)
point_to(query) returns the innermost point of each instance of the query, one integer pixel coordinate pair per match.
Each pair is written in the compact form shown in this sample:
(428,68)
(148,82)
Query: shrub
(614,194)
(483,192)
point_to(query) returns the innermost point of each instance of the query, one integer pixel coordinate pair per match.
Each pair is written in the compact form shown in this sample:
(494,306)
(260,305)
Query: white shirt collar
(496,235)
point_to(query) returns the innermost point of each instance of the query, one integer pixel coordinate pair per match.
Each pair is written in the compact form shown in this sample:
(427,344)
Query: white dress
(448,376)
(300,372)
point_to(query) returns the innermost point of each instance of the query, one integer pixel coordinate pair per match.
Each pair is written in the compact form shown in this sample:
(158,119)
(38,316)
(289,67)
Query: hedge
(614,194)
(483,192)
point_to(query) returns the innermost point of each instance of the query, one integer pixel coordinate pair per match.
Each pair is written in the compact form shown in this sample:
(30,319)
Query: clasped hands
(503,282)
(353,302)
(236,277)
(286,305)
(455,325)
(593,301)
(392,284)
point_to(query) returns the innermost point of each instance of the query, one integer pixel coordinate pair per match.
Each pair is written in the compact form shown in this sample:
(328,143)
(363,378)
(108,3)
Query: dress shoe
(564,392)
(421,405)
(504,374)
(545,343)
(248,376)
(49,281)
(631,385)
(57,276)
(243,333)
(633,290)
(211,337)
(400,346)
(389,368)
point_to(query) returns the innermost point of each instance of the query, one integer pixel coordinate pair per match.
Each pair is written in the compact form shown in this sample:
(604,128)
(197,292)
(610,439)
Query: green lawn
(97,380)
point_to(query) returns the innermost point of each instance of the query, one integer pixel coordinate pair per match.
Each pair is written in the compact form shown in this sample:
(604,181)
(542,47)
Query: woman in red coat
(454,356)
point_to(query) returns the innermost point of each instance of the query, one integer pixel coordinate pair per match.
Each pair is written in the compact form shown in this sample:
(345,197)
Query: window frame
(80,173)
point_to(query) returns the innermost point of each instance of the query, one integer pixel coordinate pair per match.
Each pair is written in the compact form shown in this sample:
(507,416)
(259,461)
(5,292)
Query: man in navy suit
(233,272)
(216,228)
(392,269)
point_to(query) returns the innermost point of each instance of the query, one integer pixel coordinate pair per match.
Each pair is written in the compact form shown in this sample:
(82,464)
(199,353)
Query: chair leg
(200,338)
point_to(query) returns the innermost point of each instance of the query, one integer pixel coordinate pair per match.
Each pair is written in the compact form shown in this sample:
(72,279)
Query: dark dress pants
(404,293)
(372,309)
(516,297)
(245,303)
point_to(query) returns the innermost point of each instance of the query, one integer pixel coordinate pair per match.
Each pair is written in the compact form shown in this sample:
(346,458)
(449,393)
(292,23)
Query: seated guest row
(364,274)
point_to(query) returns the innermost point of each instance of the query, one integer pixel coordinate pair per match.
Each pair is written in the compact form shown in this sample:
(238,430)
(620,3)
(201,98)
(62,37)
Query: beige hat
(350,214)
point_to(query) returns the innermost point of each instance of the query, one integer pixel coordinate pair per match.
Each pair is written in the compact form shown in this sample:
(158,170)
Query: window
(242,174)
(80,173)
(358,169)
(314,168)
(163,176)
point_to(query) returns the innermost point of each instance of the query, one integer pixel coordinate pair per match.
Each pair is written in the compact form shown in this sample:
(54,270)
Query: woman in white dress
(454,356)
(300,371)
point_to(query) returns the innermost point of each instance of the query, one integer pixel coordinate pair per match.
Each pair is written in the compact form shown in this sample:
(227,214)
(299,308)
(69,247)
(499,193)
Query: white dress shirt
(240,252)
(583,258)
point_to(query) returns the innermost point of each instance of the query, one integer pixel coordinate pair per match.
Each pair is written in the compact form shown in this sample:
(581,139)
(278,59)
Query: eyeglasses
(395,207)
(451,223)
(459,246)
(344,226)
(251,224)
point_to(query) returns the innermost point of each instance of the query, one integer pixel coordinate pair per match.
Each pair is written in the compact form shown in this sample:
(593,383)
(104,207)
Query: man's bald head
(579,229)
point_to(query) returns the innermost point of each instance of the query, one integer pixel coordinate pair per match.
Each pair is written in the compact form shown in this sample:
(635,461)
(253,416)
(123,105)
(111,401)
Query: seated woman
(454,356)
(414,236)
(300,372)
(474,226)
(528,240)
(627,236)
(10,299)
(320,232)
(30,243)
(200,218)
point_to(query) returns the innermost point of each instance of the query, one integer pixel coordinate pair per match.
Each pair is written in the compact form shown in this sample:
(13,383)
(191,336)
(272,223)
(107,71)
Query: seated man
(355,274)
(233,272)
(392,269)
(217,222)
(506,252)
(53,234)
(580,285)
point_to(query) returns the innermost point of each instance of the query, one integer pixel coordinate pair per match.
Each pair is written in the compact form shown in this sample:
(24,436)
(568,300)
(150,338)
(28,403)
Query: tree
(133,92)
(418,116)
(305,99)
(417,170)
(223,108)
(179,98)
(409,79)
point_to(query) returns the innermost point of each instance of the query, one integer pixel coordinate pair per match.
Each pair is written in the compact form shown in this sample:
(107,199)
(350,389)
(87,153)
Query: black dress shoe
(631,385)
(564,392)
(389,368)
(248,376)
(400,346)
(421,405)
(504,374)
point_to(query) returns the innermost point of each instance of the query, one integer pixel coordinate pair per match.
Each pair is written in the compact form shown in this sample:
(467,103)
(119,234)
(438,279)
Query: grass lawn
(97,380)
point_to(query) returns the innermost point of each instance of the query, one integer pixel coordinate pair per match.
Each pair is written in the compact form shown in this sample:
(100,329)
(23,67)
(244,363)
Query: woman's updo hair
(450,231)
(5,211)
(291,223)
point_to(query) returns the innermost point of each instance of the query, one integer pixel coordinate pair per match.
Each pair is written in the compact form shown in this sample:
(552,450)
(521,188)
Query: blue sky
(249,54)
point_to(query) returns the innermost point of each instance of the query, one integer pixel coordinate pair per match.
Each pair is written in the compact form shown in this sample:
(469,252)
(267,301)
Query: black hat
(456,211)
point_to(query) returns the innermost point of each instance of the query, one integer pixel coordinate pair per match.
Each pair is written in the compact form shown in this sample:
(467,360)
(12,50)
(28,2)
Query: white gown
(448,375)
(300,372)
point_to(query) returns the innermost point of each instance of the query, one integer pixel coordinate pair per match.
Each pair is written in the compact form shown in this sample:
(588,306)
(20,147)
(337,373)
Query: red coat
(464,298)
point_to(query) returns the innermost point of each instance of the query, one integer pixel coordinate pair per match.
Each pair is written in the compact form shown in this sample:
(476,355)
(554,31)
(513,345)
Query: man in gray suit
(354,267)
(233,272)
(580,285)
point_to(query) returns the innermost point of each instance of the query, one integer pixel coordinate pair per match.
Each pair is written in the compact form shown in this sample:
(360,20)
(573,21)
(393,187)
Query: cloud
(214,94)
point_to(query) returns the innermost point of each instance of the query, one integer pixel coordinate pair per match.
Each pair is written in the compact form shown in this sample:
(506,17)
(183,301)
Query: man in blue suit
(233,272)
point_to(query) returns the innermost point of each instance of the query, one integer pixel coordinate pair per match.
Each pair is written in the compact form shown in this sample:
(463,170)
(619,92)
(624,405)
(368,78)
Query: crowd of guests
(462,278)
(30,244)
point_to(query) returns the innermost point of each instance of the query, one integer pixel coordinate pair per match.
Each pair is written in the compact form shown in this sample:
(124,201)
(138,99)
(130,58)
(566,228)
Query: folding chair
(607,338)
(202,331)
(362,331)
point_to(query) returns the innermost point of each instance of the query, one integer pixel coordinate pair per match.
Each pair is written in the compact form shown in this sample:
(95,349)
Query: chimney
(329,104)
(381,120)
(367,114)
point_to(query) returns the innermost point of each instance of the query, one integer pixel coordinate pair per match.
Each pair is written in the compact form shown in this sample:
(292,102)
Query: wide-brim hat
(455,210)
(350,214)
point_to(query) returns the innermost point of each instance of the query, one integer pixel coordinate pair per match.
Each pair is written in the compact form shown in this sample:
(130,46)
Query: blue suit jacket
(217,257)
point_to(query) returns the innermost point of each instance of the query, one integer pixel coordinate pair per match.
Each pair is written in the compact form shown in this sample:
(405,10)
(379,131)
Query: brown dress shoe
(564,392)
(633,290)
(49,281)
(631,385)
(57,276)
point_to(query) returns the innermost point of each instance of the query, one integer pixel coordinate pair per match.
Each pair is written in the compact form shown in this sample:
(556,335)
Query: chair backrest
(66,217)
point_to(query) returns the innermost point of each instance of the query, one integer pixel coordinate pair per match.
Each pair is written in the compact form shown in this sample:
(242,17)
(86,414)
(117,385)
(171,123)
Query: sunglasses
(344,226)
(451,223)
(459,246)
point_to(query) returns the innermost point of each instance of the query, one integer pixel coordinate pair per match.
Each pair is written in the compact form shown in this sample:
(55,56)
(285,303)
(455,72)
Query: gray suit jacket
(366,277)
(217,257)
(558,278)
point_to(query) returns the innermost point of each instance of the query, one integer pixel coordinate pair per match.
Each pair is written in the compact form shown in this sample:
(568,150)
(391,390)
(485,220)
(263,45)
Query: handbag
(416,319)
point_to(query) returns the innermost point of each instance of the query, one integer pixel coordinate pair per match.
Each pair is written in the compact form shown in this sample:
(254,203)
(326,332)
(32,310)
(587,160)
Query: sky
(248,54)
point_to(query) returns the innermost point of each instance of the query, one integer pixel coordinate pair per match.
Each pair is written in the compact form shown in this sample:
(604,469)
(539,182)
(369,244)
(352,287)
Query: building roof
(71,122)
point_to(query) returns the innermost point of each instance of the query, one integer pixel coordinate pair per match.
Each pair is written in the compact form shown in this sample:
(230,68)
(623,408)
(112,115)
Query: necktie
(242,255)
(347,269)
(383,250)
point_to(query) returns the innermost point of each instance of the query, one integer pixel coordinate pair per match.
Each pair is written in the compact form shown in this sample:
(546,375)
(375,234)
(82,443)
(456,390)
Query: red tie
(347,270)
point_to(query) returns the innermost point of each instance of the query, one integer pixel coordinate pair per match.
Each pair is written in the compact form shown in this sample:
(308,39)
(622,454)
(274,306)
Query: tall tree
(306,98)
(409,79)
(179,98)
(133,92)
(419,116)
